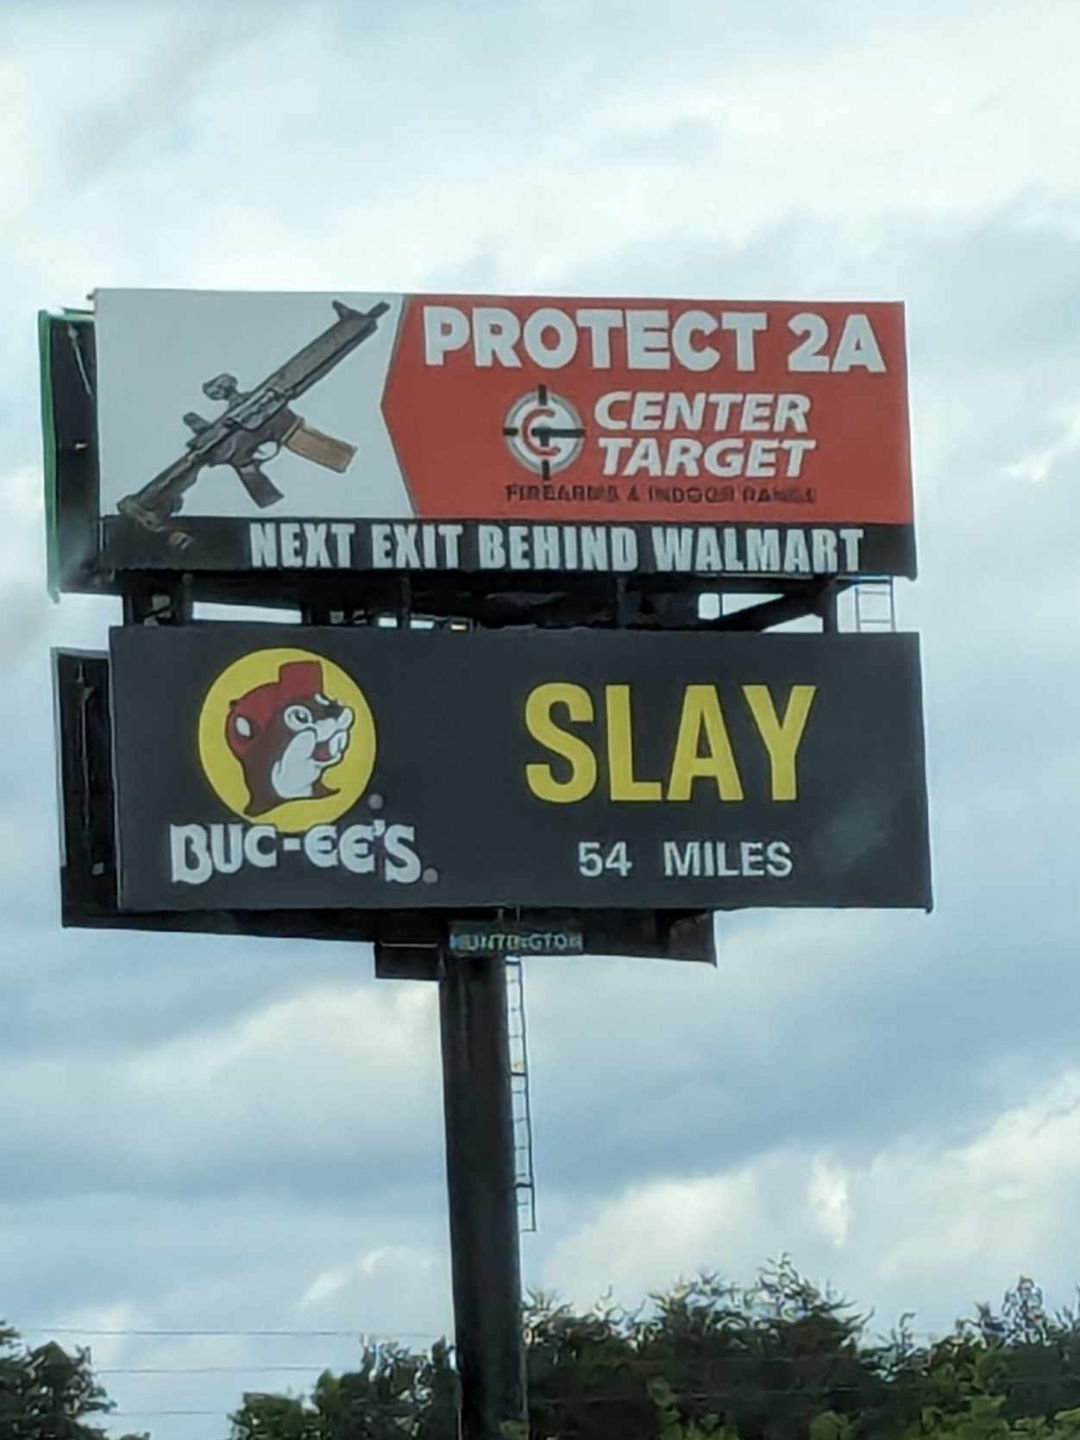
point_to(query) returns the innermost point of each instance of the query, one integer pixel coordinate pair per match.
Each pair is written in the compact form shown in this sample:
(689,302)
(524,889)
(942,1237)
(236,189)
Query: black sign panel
(787,553)
(501,937)
(272,767)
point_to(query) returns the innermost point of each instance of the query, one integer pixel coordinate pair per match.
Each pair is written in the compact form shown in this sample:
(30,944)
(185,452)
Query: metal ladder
(874,606)
(524,1179)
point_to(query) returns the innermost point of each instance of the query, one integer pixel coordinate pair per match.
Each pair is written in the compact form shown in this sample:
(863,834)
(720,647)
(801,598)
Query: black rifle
(254,425)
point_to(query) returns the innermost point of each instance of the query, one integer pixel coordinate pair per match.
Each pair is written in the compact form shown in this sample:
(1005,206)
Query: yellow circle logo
(287,739)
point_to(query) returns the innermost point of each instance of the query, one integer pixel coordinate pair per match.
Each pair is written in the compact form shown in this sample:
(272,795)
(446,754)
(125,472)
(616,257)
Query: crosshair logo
(544,432)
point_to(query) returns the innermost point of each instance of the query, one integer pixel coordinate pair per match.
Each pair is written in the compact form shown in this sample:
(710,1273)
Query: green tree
(48,1394)
(777,1360)
(275,1417)
(394,1394)
(584,1375)
(765,1360)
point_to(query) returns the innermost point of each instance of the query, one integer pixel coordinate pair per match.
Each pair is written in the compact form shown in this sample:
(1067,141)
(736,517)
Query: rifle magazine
(323,449)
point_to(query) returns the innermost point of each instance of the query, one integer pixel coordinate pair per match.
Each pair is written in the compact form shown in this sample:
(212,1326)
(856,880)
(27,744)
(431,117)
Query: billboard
(262,766)
(340,432)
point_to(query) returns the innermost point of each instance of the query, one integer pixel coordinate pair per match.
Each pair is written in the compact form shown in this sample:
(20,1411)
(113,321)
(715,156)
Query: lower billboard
(266,767)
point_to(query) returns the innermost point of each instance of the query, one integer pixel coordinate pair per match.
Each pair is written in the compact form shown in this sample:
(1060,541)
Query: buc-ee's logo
(544,432)
(288,738)
(287,742)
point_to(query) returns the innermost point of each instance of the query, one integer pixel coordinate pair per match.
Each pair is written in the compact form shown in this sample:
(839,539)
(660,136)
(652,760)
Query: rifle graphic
(254,425)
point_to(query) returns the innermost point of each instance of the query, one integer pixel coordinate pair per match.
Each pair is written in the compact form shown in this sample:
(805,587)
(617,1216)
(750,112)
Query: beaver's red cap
(297,680)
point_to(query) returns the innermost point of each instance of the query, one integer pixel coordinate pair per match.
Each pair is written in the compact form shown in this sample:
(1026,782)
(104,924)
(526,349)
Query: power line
(358,1334)
(641,1369)
(553,1402)
(212,1370)
(159,1414)
(815,1391)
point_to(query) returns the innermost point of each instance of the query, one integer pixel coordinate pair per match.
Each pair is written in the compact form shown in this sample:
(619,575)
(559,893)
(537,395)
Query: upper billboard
(344,431)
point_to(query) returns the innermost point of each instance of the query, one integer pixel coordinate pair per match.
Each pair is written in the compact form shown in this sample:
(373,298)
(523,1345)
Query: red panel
(449,420)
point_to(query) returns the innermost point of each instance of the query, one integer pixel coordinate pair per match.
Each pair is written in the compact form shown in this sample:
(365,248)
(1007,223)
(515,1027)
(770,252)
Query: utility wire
(698,1396)
(159,1414)
(735,1391)
(359,1333)
(212,1370)
(358,1330)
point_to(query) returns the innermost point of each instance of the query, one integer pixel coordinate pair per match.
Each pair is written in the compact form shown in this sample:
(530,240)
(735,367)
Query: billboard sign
(508,937)
(342,431)
(265,766)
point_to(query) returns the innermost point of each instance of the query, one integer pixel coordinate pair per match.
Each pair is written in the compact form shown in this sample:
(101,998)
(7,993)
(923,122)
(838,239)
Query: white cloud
(655,1235)
(332,1077)
(920,1227)
(1039,465)
(827,1192)
(396,1265)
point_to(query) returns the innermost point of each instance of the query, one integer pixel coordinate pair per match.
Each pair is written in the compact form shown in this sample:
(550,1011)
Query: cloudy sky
(218,1135)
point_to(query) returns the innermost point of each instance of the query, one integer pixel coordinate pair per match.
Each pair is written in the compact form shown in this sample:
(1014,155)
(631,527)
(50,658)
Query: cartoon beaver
(285,734)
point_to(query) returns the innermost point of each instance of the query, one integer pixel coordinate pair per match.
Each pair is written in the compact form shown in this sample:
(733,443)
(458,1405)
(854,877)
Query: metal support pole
(483,1202)
(830,621)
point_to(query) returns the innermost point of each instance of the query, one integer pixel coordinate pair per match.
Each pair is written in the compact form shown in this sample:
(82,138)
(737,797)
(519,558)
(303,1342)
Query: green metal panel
(48,442)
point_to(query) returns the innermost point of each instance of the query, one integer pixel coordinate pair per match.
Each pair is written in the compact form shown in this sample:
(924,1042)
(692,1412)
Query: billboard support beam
(166,601)
(485,1260)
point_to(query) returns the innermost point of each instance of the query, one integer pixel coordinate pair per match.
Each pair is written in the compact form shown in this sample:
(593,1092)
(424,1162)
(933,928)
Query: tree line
(779,1359)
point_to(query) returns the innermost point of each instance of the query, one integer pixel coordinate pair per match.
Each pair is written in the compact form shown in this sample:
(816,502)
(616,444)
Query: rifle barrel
(319,356)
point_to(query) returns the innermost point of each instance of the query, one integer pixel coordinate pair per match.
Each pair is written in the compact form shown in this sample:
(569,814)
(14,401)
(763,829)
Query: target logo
(544,432)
